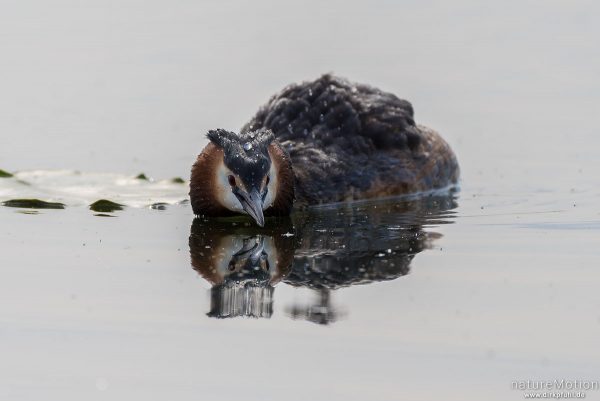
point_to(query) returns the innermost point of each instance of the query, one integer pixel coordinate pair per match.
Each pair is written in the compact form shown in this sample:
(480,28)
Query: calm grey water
(453,297)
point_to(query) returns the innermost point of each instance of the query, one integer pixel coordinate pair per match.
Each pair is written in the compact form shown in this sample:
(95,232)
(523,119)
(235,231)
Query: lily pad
(104,205)
(33,204)
(5,174)
(178,180)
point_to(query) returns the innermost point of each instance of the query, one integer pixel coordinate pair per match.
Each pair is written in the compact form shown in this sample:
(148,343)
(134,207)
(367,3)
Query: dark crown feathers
(246,154)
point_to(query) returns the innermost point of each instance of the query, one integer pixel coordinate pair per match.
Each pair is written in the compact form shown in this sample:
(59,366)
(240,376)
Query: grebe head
(236,173)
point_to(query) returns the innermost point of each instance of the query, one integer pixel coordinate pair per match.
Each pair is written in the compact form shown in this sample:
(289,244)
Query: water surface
(450,297)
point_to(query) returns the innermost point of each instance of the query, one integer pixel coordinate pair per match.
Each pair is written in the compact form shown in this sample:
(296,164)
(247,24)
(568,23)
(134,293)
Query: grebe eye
(268,179)
(231,180)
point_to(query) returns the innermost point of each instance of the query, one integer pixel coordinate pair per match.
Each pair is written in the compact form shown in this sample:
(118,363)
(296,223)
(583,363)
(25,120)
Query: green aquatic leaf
(5,174)
(159,206)
(104,205)
(33,204)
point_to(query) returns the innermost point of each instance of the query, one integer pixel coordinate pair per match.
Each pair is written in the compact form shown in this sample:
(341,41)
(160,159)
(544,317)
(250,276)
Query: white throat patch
(271,187)
(224,193)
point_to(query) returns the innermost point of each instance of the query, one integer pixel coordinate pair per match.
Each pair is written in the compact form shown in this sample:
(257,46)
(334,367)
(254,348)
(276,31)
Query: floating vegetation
(141,176)
(178,180)
(159,206)
(33,204)
(104,205)
(5,174)
(74,188)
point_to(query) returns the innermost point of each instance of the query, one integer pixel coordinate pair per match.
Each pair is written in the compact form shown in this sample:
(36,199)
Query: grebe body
(323,141)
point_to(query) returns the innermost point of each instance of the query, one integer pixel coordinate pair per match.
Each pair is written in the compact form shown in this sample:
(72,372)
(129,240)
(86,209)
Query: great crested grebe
(318,142)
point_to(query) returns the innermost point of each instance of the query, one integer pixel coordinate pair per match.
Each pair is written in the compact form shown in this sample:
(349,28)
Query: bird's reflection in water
(242,264)
(323,249)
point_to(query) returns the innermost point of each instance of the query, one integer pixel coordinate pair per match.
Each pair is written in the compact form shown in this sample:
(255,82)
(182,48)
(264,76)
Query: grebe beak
(253,205)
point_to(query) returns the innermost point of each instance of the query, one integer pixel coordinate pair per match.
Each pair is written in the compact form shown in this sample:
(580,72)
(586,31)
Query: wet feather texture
(344,141)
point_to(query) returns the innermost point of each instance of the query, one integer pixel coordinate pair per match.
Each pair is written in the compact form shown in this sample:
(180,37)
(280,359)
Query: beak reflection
(251,256)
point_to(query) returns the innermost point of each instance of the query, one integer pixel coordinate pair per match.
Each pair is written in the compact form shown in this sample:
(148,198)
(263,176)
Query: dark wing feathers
(332,110)
(351,141)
